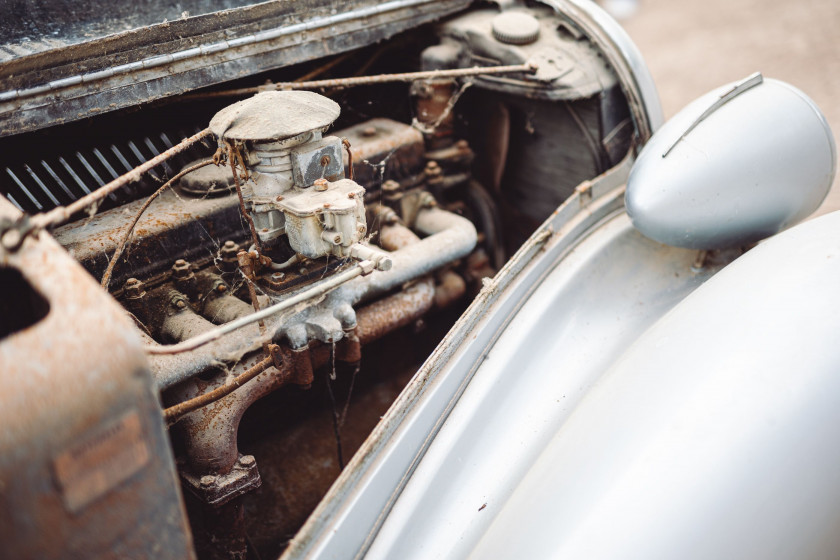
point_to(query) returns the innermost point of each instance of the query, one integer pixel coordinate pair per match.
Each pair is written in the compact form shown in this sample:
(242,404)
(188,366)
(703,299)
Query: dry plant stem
(233,155)
(106,278)
(346,143)
(175,413)
(61,214)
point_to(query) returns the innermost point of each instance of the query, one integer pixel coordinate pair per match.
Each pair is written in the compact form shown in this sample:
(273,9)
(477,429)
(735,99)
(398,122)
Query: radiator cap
(737,165)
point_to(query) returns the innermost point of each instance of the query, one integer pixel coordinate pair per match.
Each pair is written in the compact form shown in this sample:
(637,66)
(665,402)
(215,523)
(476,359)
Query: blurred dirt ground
(692,47)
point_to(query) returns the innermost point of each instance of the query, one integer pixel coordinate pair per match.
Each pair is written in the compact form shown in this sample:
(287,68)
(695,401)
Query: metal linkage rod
(12,235)
(178,411)
(61,214)
(106,278)
(368,80)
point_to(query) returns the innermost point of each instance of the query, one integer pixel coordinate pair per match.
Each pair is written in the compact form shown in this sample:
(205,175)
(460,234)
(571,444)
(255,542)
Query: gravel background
(692,47)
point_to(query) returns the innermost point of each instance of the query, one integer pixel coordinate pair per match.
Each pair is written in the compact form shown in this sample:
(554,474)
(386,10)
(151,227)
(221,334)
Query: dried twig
(106,278)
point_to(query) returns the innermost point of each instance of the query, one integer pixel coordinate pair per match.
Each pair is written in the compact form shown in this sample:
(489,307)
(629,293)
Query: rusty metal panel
(85,466)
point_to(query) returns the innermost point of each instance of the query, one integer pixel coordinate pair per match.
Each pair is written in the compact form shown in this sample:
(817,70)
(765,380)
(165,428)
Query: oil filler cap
(516,28)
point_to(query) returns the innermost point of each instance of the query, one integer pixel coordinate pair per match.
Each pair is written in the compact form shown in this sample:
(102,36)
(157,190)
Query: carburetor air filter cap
(274,115)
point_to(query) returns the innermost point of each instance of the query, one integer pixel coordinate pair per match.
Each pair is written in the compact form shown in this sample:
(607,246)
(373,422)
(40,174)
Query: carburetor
(297,185)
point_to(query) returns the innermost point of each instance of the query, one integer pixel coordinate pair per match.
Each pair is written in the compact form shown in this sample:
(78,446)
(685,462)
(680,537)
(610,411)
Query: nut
(181,270)
(133,288)
(278,276)
(229,250)
(320,185)
(390,186)
(208,481)
(247,460)
(432,169)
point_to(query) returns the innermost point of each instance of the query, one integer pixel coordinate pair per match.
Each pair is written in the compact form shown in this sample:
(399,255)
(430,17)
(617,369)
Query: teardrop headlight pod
(737,165)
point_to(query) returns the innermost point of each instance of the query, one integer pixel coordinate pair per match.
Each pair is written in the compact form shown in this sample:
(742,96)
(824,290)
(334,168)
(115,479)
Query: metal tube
(450,237)
(176,412)
(319,289)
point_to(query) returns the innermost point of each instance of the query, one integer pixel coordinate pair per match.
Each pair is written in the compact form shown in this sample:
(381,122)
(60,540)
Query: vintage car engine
(359,220)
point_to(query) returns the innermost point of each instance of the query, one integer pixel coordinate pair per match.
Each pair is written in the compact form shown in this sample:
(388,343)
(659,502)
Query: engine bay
(359,217)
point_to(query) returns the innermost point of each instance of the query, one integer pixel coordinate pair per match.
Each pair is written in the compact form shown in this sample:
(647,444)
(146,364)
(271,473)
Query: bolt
(462,145)
(361,229)
(229,250)
(432,169)
(221,288)
(369,131)
(178,302)
(351,195)
(326,205)
(247,460)
(264,230)
(181,270)
(337,239)
(325,161)
(208,481)
(390,186)
(279,198)
(302,271)
(133,288)
(320,185)
(278,276)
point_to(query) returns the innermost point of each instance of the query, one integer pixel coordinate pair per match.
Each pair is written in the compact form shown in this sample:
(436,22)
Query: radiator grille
(36,182)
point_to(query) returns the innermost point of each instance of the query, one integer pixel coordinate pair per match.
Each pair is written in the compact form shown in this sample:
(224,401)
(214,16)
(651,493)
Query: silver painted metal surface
(586,312)
(758,163)
(714,436)
(728,95)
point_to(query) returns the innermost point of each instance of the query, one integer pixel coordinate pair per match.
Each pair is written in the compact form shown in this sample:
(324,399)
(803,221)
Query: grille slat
(58,180)
(139,155)
(53,178)
(40,183)
(105,163)
(155,152)
(75,177)
(24,190)
(121,157)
